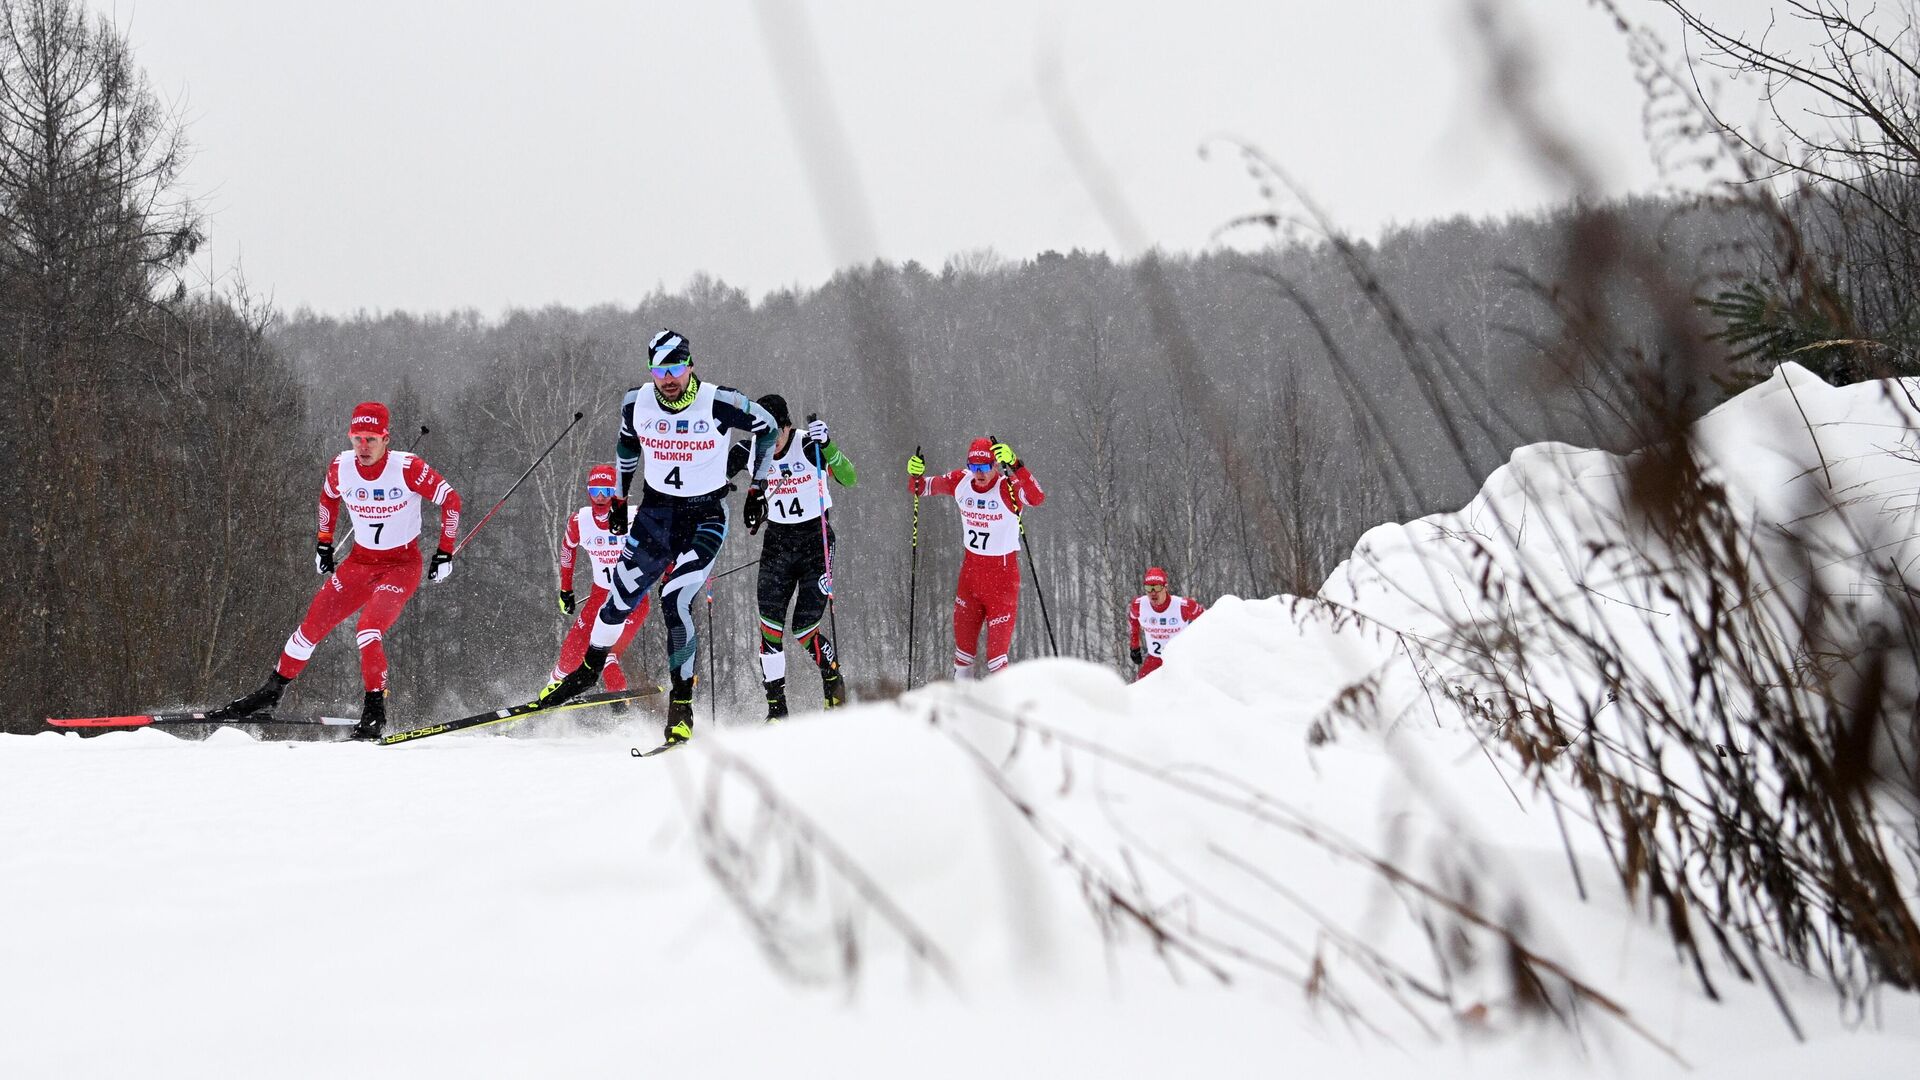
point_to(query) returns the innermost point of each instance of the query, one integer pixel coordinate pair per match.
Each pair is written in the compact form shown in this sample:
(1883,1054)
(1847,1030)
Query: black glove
(1138,656)
(566,601)
(755,514)
(617,515)
(323,557)
(441,568)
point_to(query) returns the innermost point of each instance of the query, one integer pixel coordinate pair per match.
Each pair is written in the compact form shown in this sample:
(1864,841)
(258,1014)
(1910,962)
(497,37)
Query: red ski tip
(99,721)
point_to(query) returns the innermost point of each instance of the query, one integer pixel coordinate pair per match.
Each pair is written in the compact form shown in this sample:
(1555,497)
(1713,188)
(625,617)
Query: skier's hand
(1138,656)
(566,601)
(441,568)
(1004,454)
(817,431)
(617,515)
(323,557)
(755,514)
(916,465)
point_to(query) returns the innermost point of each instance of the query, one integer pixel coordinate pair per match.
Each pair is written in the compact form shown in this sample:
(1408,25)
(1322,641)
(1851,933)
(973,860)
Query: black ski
(500,716)
(661,749)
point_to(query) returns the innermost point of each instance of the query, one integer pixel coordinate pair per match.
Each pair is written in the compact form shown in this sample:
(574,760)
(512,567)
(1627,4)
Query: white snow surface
(548,905)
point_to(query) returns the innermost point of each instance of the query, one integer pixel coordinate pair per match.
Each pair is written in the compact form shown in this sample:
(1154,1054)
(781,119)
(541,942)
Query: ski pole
(735,570)
(913,574)
(416,439)
(1020,517)
(713,687)
(516,484)
(826,552)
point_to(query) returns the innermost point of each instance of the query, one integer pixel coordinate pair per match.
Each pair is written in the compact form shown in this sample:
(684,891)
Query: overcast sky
(408,154)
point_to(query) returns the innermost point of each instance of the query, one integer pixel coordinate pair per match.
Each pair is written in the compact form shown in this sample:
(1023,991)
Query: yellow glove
(1004,454)
(916,466)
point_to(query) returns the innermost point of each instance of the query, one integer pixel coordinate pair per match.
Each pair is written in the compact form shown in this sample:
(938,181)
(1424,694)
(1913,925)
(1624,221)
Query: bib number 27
(977,539)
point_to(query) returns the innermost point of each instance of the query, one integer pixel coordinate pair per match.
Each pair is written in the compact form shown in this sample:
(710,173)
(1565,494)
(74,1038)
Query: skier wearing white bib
(675,434)
(1155,619)
(794,557)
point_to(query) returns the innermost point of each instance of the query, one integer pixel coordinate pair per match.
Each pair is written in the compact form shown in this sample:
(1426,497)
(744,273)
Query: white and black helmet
(669,347)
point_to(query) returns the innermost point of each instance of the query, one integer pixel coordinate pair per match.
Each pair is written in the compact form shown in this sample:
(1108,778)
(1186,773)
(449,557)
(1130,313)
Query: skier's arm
(839,466)
(567,545)
(626,452)
(433,487)
(1028,487)
(1133,624)
(738,411)
(329,503)
(1193,610)
(945,484)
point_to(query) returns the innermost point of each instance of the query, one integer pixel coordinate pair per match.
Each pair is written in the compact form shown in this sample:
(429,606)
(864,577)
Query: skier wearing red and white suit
(990,504)
(1155,619)
(588,531)
(381,492)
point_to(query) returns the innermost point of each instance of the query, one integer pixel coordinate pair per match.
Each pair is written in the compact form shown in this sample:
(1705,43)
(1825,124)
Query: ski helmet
(981,452)
(777,405)
(602,475)
(369,418)
(1156,576)
(669,347)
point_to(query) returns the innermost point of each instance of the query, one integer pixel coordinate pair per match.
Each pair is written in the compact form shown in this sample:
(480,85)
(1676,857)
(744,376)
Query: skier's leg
(645,555)
(704,532)
(773,590)
(574,646)
(392,588)
(809,611)
(1003,610)
(968,614)
(613,677)
(339,596)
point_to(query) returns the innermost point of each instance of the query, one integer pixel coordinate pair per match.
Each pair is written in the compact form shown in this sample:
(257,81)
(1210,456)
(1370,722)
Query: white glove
(817,431)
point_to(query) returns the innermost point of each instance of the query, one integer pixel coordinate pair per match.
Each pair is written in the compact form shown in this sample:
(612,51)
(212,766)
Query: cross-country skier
(587,530)
(381,492)
(990,506)
(676,433)
(793,559)
(1155,619)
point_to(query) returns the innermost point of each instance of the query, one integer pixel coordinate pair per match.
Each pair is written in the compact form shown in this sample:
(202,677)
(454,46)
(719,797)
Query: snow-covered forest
(1555,705)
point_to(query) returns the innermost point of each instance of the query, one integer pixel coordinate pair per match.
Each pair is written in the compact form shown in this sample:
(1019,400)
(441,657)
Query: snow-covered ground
(960,883)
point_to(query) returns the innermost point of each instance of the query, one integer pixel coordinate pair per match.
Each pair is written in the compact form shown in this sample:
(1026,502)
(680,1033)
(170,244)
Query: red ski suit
(574,648)
(989,587)
(374,580)
(1164,624)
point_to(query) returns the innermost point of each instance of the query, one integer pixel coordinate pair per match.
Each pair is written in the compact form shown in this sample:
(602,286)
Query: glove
(617,515)
(1138,656)
(817,432)
(323,557)
(916,466)
(566,601)
(755,514)
(1004,454)
(442,566)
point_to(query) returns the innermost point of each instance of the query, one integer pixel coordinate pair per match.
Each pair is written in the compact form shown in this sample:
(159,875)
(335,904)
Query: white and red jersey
(587,530)
(384,501)
(990,519)
(796,491)
(1157,626)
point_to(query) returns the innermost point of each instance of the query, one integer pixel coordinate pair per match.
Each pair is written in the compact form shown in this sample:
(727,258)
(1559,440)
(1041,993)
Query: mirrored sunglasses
(600,492)
(977,467)
(670,371)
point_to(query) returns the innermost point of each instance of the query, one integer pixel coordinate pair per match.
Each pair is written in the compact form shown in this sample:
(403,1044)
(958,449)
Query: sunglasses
(600,492)
(670,371)
(979,468)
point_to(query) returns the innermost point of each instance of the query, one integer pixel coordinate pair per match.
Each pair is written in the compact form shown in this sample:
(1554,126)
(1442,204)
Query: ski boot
(260,701)
(373,717)
(776,700)
(833,687)
(576,680)
(680,712)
